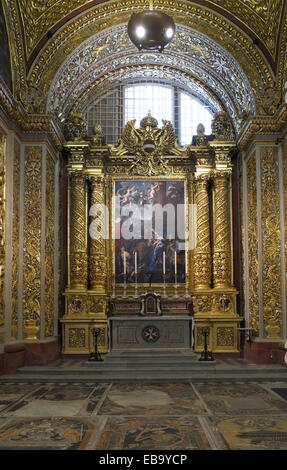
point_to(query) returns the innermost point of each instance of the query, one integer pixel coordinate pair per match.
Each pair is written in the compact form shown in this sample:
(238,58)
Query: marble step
(204,376)
(95,370)
(136,362)
(100,368)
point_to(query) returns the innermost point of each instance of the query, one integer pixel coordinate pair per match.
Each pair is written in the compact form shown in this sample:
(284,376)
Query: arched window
(114,108)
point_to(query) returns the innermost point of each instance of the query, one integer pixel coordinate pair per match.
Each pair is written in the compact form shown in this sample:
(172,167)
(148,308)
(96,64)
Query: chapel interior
(92,125)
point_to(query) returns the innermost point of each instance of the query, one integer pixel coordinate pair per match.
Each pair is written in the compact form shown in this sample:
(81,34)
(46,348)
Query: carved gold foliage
(202,255)
(222,255)
(32,235)
(77,305)
(2,223)
(77,338)
(225,336)
(79,265)
(285,210)
(50,246)
(202,303)
(15,262)
(221,126)
(253,245)
(271,242)
(97,258)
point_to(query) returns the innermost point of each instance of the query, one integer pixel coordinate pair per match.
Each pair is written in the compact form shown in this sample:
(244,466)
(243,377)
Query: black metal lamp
(151,30)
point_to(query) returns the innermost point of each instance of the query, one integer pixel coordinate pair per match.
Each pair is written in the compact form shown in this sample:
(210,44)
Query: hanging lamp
(151,29)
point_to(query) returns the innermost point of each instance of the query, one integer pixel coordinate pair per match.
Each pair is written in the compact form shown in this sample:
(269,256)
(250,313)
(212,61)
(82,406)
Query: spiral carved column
(202,256)
(79,263)
(222,254)
(97,257)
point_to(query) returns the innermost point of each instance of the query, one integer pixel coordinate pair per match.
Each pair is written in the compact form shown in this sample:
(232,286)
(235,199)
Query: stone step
(159,360)
(151,363)
(163,378)
(99,368)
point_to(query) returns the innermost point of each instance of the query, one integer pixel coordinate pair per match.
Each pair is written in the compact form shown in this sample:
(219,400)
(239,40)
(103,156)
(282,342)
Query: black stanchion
(95,356)
(206,355)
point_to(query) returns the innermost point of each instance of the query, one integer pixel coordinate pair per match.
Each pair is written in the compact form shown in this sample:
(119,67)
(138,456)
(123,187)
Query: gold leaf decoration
(32,235)
(49,246)
(271,244)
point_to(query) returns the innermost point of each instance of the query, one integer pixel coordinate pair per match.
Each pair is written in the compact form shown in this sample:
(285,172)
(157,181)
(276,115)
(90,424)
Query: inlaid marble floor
(232,415)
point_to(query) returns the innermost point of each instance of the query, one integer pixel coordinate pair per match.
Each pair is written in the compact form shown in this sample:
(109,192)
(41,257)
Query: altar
(148,211)
(153,332)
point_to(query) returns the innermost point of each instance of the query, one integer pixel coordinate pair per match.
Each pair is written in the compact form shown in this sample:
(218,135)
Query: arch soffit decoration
(89,66)
(67,37)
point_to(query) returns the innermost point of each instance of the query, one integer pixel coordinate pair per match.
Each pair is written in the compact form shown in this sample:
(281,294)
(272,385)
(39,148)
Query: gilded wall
(265,278)
(253,244)
(15,239)
(29,198)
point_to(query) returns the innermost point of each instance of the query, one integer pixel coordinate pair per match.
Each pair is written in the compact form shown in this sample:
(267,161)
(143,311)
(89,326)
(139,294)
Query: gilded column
(222,253)
(2,222)
(78,263)
(97,257)
(202,254)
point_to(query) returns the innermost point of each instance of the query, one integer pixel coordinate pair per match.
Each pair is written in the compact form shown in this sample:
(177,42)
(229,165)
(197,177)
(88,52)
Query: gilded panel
(285,208)
(2,224)
(271,242)
(77,338)
(16,220)
(253,245)
(225,336)
(32,236)
(49,246)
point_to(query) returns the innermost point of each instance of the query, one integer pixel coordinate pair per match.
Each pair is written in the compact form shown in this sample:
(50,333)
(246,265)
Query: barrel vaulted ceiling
(63,51)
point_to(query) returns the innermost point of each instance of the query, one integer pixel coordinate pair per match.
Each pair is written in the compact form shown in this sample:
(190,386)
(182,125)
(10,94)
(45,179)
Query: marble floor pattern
(238,415)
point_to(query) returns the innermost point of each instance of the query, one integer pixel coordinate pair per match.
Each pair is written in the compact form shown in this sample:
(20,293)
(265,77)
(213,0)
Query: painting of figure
(148,240)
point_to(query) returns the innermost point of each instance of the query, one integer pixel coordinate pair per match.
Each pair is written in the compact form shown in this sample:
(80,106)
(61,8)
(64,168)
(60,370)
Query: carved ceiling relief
(219,30)
(190,52)
(107,55)
(261,16)
(208,47)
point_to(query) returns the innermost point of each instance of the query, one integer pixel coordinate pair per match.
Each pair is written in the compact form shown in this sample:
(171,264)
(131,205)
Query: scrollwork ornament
(202,255)
(75,127)
(222,127)
(270,99)
(222,253)
(225,337)
(77,338)
(16,221)
(49,246)
(271,239)
(2,223)
(79,262)
(253,245)
(32,240)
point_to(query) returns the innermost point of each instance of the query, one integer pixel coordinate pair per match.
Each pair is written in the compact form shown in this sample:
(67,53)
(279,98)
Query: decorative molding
(49,246)
(3,143)
(271,244)
(29,124)
(16,228)
(252,236)
(32,240)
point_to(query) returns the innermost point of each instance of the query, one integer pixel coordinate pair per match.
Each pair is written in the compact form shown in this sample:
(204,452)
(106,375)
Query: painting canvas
(157,239)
